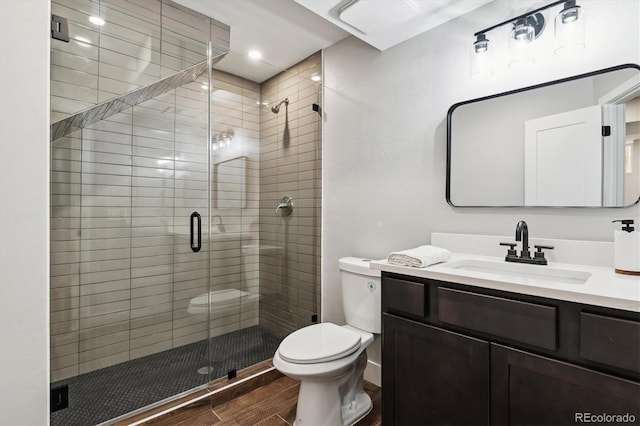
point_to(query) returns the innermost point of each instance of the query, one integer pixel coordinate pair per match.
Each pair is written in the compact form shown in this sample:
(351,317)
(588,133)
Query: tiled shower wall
(141,42)
(290,165)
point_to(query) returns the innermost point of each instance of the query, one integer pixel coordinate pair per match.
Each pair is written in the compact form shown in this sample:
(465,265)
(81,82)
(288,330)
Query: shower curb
(197,401)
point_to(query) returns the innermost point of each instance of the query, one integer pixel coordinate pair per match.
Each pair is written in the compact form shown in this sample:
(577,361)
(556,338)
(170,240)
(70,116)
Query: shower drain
(205,370)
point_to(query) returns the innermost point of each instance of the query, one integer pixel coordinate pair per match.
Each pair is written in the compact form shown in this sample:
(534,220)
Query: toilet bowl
(329,360)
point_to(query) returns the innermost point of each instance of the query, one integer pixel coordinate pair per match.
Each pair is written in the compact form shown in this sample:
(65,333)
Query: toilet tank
(361,294)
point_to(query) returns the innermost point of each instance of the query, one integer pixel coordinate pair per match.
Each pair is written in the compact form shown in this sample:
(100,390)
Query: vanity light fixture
(569,36)
(222,139)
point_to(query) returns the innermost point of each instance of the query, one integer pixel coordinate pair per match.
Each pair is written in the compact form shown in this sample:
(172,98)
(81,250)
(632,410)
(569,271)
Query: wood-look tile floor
(273,403)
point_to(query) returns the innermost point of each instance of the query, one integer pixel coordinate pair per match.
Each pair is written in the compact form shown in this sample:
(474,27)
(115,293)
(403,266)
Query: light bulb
(522,32)
(481,58)
(569,29)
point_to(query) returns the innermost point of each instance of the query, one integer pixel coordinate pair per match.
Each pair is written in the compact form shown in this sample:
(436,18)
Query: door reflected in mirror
(567,143)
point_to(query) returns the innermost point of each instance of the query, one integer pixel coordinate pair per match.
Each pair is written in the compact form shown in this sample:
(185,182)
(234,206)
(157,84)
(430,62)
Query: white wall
(385,137)
(24,212)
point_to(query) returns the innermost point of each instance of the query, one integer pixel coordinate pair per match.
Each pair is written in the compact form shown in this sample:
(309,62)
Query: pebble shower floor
(104,394)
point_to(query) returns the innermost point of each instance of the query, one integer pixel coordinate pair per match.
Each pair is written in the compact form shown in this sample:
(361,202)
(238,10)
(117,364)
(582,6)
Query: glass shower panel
(264,264)
(105,243)
(234,297)
(290,166)
(191,278)
(66,167)
(152,226)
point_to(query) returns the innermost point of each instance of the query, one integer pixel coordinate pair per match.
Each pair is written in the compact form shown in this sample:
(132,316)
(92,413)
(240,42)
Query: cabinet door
(432,376)
(528,389)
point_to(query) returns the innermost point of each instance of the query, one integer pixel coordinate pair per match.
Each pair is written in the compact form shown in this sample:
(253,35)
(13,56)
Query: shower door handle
(196,215)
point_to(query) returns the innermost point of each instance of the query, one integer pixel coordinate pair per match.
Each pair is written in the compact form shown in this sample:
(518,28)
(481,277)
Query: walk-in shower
(168,266)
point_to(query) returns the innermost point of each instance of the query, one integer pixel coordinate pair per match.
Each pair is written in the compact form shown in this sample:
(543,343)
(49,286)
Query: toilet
(328,359)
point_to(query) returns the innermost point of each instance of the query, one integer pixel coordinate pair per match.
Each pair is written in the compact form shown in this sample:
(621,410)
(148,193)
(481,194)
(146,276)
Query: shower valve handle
(286,205)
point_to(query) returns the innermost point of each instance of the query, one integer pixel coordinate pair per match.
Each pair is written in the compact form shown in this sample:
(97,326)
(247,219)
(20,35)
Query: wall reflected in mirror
(568,143)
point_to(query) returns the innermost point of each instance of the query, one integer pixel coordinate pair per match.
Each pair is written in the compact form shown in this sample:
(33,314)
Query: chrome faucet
(522,234)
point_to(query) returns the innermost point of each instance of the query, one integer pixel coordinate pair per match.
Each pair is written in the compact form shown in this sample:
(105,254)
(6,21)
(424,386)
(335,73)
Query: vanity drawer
(404,296)
(611,341)
(524,322)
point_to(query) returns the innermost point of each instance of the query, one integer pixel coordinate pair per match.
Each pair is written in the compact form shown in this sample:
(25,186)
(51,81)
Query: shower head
(276,108)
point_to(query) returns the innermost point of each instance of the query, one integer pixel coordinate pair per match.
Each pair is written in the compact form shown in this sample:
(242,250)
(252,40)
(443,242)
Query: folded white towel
(419,257)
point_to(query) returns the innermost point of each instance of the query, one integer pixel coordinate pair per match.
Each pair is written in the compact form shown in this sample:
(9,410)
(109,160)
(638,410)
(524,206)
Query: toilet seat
(319,343)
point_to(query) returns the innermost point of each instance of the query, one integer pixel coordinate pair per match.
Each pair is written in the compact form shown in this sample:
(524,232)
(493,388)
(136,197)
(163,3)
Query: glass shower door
(130,255)
(191,230)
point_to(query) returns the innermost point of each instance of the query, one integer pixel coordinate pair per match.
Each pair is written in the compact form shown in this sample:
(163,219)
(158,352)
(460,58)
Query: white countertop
(604,287)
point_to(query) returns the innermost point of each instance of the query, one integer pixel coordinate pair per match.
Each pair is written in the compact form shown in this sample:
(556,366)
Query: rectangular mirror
(573,142)
(229,184)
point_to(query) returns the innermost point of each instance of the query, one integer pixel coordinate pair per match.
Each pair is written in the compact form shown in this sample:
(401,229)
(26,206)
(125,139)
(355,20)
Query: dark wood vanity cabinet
(462,355)
(419,362)
(535,390)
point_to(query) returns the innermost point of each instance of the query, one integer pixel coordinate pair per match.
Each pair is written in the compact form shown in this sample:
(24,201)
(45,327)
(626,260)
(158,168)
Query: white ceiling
(385,23)
(287,31)
(282,30)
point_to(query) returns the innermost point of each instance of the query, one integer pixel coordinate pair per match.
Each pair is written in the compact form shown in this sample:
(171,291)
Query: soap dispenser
(626,249)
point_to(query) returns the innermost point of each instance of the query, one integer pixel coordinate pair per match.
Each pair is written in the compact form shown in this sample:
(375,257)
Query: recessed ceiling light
(254,54)
(315,78)
(204,86)
(96,20)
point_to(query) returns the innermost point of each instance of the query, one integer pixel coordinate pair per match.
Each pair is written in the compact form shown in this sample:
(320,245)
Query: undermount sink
(523,271)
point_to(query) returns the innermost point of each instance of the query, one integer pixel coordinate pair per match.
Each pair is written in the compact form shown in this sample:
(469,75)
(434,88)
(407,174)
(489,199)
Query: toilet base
(324,411)
(340,400)
(360,407)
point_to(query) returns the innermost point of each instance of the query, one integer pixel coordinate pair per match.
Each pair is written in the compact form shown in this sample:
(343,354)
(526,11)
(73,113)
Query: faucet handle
(286,204)
(512,248)
(539,254)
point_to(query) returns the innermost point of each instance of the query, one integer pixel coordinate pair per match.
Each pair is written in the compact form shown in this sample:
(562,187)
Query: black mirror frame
(510,92)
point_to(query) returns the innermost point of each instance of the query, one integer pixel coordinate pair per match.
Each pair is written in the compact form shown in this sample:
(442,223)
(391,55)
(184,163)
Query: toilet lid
(319,343)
